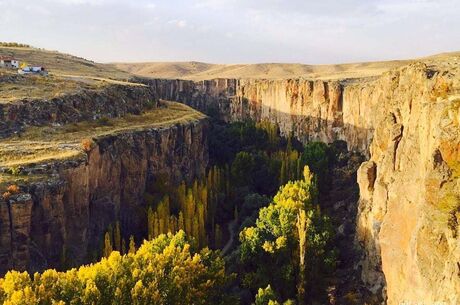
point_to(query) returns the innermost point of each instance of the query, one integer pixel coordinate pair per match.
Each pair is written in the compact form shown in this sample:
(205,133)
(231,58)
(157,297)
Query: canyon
(405,121)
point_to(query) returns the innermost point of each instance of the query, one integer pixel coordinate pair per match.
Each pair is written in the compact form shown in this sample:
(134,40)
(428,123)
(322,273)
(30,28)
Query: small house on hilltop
(9,62)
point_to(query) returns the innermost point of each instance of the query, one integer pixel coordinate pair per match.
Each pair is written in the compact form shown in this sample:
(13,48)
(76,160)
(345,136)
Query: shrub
(14,170)
(6,195)
(103,121)
(441,89)
(14,44)
(87,144)
(150,105)
(13,189)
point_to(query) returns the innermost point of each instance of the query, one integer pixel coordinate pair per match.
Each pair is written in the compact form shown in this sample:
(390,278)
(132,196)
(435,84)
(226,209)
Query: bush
(103,121)
(149,105)
(13,189)
(14,170)
(14,45)
(87,145)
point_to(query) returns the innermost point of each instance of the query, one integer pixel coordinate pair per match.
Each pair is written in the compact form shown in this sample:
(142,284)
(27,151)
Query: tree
(123,246)
(275,237)
(303,223)
(107,245)
(242,169)
(165,270)
(266,297)
(117,236)
(132,245)
(317,156)
(150,223)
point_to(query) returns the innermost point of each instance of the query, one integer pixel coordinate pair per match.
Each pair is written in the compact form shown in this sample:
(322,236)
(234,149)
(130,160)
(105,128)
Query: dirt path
(231,226)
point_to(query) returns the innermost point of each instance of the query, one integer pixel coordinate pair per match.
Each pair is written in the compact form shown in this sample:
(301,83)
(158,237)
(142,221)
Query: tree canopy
(165,270)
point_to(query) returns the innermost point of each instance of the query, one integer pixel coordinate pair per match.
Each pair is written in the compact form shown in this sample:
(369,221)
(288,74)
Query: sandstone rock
(366,177)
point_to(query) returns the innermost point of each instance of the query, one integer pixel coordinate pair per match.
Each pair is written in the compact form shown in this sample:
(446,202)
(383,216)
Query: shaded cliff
(406,123)
(311,109)
(70,209)
(111,101)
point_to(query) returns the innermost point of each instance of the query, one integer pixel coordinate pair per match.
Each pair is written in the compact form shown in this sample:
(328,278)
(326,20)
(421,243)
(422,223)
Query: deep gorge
(394,120)
(410,241)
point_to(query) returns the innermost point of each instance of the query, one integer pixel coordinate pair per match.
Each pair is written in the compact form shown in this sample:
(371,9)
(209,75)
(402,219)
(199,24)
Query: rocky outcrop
(406,122)
(111,101)
(408,215)
(69,211)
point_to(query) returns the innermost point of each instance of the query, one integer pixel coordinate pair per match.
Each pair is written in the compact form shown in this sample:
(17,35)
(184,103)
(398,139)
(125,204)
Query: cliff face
(313,110)
(406,123)
(409,207)
(70,210)
(112,101)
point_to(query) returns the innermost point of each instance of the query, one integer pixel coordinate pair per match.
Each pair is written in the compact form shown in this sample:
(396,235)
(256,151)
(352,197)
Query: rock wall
(312,110)
(71,210)
(112,101)
(409,210)
(406,122)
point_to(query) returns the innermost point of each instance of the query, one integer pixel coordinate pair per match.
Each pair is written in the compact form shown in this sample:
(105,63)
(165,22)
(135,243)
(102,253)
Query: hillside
(200,71)
(67,74)
(63,64)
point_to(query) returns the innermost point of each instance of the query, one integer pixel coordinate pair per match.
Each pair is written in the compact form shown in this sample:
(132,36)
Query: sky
(235,31)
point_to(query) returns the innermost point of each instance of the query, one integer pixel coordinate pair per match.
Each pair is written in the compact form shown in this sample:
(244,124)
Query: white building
(9,62)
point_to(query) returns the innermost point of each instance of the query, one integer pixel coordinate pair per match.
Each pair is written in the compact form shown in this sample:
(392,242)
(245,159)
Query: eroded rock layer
(69,211)
(112,101)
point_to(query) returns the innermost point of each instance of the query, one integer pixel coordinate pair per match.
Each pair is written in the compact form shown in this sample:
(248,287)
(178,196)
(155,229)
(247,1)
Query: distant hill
(200,71)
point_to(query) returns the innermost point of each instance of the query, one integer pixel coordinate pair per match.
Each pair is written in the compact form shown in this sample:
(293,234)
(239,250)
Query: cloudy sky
(235,31)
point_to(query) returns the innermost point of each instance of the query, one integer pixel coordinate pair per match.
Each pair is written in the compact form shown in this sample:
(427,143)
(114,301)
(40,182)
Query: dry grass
(68,74)
(201,71)
(39,87)
(60,64)
(6,180)
(43,144)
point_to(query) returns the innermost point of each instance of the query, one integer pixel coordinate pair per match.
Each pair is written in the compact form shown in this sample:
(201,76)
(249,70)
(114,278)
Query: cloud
(178,23)
(79,2)
(235,30)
